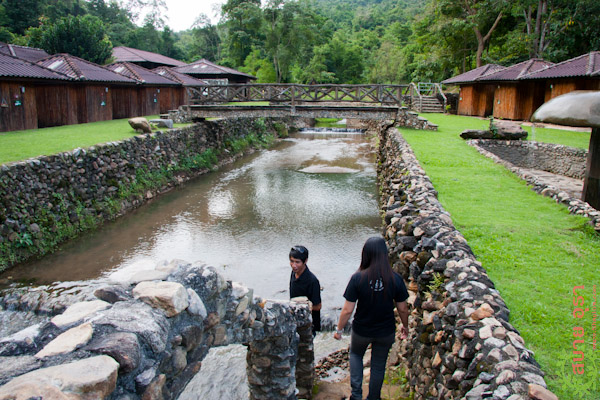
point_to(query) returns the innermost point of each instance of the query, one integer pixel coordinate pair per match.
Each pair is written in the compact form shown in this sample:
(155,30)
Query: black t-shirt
(374,315)
(307,285)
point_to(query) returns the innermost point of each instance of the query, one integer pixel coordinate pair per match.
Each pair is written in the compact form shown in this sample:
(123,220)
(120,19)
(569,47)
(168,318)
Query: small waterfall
(344,131)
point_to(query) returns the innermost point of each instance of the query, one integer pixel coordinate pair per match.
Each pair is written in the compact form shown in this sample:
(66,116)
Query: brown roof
(140,74)
(13,67)
(128,54)
(472,75)
(82,70)
(205,67)
(26,53)
(517,71)
(586,65)
(184,79)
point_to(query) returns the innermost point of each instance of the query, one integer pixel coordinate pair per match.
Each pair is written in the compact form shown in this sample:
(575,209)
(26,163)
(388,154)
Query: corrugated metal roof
(26,53)
(586,65)
(141,74)
(517,71)
(14,67)
(82,70)
(184,79)
(205,67)
(128,54)
(472,75)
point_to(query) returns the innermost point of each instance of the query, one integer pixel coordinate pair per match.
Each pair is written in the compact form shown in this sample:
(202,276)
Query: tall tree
(83,37)
(243,22)
(21,14)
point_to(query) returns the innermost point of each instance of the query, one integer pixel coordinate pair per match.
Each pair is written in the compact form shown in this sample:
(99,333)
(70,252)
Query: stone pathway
(573,187)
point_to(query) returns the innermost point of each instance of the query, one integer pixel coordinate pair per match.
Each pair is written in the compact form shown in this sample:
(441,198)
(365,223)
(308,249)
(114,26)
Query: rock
(484,311)
(154,391)
(172,297)
(78,311)
(17,365)
(476,134)
(538,392)
(19,342)
(507,130)
(140,124)
(90,378)
(112,294)
(577,108)
(139,318)
(162,123)
(68,341)
(196,306)
(124,347)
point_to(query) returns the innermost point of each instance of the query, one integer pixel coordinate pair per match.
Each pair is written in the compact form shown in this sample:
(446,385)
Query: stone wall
(575,205)
(46,200)
(560,160)
(461,343)
(144,337)
(404,118)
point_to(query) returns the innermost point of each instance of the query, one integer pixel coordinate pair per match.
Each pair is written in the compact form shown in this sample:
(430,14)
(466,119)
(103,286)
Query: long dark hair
(375,264)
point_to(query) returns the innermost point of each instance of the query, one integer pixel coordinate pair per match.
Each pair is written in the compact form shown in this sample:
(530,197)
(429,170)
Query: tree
(243,22)
(482,15)
(21,14)
(83,37)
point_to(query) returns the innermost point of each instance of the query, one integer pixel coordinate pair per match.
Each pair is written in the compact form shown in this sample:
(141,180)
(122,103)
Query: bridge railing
(294,93)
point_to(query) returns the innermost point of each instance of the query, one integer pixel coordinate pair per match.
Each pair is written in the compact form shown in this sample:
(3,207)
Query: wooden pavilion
(214,74)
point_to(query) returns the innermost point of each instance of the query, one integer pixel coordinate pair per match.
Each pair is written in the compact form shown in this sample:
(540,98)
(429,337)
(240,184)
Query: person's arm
(403,313)
(344,317)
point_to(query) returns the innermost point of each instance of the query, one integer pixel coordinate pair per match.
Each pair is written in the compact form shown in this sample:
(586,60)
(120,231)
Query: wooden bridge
(316,101)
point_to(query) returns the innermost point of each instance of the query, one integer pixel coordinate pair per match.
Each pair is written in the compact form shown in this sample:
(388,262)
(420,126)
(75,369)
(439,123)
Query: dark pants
(380,348)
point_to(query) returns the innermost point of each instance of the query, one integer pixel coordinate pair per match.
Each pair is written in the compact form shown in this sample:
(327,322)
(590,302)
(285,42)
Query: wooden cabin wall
(57,105)
(484,104)
(98,103)
(465,100)
(506,101)
(557,87)
(531,97)
(170,98)
(149,100)
(18,107)
(125,102)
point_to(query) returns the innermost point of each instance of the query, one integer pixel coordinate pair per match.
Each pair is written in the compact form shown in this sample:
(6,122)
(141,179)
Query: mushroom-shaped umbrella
(579,108)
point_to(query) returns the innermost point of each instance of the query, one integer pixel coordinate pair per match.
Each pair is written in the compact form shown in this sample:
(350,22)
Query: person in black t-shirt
(305,283)
(376,289)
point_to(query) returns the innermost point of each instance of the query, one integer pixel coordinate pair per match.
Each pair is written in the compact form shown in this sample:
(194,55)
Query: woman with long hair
(376,289)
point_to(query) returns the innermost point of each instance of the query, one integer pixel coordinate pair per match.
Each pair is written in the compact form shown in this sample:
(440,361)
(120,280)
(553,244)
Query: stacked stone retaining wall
(57,196)
(145,336)
(461,343)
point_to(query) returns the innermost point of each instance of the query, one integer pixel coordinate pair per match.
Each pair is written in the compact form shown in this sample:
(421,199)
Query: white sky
(183,13)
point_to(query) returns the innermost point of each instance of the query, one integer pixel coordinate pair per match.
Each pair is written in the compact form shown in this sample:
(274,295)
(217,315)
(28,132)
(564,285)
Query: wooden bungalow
(579,73)
(513,98)
(21,84)
(475,98)
(143,58)
(152,88)
(214,74)
(188,83)
(87,99)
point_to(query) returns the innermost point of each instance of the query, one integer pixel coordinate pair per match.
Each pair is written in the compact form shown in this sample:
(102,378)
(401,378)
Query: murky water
(313,189)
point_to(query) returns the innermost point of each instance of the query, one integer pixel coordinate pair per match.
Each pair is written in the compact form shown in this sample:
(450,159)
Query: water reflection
(244,219)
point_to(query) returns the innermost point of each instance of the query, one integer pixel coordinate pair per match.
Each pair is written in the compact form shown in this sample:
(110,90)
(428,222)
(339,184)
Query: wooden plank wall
(506,101)
(556,87)
(18,107)
(57,105)
(149,100)
(465,100)
(484,100)
(170,98)
(125,103)
(98,103)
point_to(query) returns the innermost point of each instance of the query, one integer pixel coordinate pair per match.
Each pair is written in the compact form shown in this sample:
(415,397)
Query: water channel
(315,188)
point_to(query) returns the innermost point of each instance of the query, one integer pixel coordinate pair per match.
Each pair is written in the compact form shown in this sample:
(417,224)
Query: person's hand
(403,332)
(337,336)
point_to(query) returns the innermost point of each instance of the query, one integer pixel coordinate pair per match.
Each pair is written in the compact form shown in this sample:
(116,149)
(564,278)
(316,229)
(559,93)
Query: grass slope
(533,249)
(21,145)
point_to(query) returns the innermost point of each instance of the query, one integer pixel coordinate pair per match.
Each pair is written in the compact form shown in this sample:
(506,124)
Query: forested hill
(337,41)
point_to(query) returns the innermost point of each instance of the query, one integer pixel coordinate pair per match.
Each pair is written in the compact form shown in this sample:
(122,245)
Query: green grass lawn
(21,145)
(533,249)
(558,136)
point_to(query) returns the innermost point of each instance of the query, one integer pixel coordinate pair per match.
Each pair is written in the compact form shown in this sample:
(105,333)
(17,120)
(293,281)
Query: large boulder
(507,130)
(162,123)
(140,124)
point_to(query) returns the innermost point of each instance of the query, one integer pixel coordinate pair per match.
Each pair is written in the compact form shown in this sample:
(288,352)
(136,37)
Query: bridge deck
(277,110)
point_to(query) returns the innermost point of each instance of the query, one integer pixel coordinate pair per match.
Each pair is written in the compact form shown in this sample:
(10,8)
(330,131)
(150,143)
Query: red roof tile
(205,67)
(184,79)
(128,54)
(140,74)
(586,65)
(472,75)
(13,67)
(82,70)
(26,53)
(517,71)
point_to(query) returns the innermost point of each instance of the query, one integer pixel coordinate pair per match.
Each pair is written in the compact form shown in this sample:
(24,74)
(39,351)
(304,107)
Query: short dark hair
(299,252)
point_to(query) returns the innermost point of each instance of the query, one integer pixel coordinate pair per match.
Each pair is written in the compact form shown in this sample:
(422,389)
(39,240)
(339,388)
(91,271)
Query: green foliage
(83,37)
